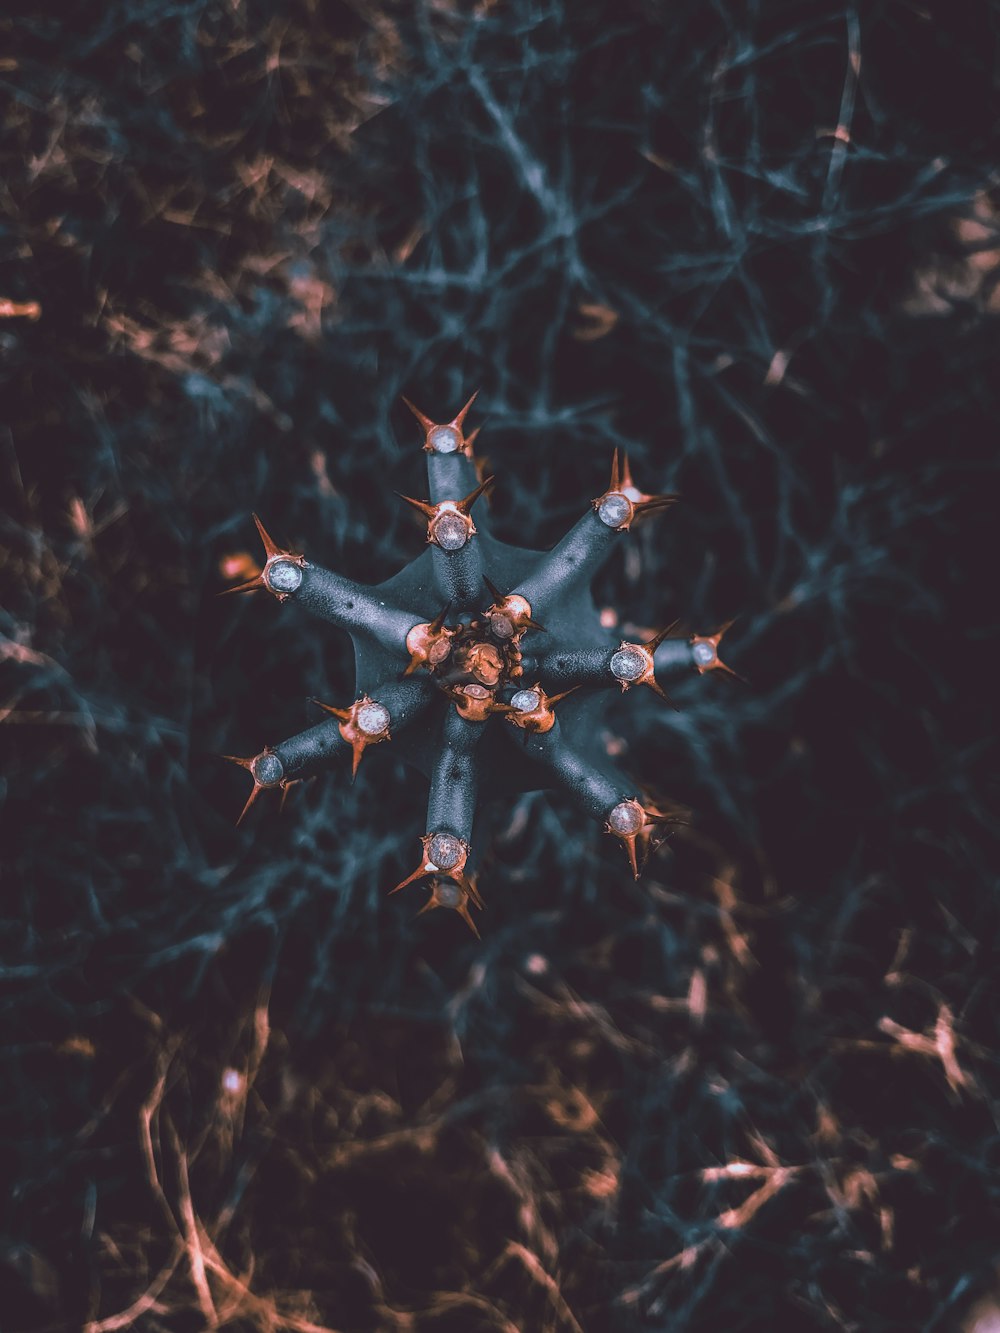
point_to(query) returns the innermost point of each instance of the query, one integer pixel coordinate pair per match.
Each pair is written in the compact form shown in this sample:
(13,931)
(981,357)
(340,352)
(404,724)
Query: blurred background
(757,245)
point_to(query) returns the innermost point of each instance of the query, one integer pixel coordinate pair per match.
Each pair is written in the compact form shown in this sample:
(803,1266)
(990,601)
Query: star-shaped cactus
(471,630)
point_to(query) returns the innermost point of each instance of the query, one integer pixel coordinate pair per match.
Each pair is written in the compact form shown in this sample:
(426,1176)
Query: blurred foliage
(757,246)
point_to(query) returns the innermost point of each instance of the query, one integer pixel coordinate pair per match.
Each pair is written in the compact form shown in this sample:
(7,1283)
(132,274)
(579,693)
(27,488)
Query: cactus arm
(451,805)
(575,559)
(354,607)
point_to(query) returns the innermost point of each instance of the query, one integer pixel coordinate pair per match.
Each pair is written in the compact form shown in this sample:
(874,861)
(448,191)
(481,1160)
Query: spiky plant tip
(486,630)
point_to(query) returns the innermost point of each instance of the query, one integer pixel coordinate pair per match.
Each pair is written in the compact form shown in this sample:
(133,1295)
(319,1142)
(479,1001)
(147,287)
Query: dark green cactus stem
(475,645)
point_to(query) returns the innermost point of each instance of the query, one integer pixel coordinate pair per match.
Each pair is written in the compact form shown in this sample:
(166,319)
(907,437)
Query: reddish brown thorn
(428,510)
(644,505)
(653,684)
(419,873)
(235,759)
(656,504)
(458,420)
(270,546)
(652,644)
(463,506)
(342,713)
(250,800)
(615,484)
(426,422)
(251,586)
(286,787)
(445,438)
(728,671)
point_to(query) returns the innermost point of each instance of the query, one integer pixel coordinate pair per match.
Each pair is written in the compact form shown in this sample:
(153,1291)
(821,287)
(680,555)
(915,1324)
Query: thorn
(243,763)
(257,789)
(658,689)
(428,510)
(286,787)
(426,422)
(615,483)
(342,713)
(250,586)
(656,504)
(493,590)
(463,506)
(419,873)
(629,842)
(639,498)
(460,418)
(657,639)
(446,438)
(270,546)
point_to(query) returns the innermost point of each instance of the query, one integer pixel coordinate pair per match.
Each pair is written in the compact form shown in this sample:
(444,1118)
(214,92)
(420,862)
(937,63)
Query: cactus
(475,629)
